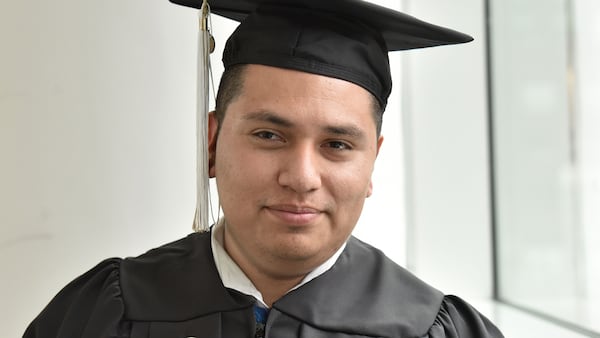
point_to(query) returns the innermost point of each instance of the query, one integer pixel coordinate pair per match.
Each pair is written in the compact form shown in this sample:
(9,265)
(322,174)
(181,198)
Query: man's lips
(294,214)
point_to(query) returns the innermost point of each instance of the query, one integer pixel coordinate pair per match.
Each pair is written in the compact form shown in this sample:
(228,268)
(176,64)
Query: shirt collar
(234,278)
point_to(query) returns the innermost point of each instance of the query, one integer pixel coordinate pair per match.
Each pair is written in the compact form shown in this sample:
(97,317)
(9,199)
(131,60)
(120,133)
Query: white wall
(448,183)
(96,140)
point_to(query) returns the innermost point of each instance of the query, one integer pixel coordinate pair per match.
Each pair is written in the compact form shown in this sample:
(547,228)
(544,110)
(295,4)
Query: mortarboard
(345,39)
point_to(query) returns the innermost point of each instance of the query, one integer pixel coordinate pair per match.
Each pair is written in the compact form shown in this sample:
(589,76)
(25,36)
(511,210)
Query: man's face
(293,164)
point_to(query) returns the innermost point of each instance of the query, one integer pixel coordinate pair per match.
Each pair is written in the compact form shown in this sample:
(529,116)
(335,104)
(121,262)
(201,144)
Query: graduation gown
(175,291)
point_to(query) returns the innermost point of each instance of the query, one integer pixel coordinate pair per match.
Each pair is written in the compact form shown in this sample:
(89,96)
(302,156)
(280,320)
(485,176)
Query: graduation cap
(344,39)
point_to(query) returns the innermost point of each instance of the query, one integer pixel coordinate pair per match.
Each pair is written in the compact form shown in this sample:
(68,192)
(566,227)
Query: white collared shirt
(234,278)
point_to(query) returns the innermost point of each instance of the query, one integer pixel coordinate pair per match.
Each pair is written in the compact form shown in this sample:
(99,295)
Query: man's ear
(213,127)
(379,143)
(370,189)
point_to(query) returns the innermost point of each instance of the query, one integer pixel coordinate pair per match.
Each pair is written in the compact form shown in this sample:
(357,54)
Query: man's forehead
(267,85)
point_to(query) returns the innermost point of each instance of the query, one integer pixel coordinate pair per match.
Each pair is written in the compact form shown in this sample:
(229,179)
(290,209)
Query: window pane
(546,125)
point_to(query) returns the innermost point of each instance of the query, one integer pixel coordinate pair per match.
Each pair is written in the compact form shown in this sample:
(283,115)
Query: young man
(292,145)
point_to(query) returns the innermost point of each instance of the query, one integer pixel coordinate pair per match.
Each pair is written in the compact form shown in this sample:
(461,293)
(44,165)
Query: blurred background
(487,185)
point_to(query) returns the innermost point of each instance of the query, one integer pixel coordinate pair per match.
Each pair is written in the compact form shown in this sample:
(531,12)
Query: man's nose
(300,170)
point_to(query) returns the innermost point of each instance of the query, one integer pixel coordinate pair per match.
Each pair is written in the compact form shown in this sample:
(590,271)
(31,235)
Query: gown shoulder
(90,304)
(172,283)
(457,318)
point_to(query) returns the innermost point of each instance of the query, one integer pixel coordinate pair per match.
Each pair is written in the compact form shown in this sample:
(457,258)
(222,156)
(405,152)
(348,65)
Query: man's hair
(232,82)
(230,88)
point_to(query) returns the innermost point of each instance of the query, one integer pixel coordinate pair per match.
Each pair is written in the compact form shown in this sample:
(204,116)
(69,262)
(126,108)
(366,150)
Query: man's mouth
(291,214)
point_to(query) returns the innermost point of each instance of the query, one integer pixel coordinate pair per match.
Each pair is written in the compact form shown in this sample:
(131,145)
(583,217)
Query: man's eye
(267,135)
(338,145)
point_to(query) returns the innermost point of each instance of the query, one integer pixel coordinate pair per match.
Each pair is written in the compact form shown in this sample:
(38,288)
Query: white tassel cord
(202,181)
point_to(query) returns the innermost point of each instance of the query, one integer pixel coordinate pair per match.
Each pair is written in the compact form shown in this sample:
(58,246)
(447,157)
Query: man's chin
(302,251)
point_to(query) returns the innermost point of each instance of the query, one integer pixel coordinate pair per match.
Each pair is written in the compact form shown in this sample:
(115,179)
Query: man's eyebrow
(270,117)
(345,130)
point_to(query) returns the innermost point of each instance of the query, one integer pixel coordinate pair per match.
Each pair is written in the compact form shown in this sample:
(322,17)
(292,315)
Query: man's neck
(273,280)
(238,274)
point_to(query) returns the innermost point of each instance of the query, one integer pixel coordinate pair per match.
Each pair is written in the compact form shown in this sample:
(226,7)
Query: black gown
(175,291)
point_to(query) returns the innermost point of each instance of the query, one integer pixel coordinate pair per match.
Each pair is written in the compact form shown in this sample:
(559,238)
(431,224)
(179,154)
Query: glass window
(545,94)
